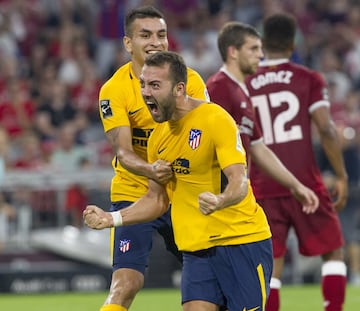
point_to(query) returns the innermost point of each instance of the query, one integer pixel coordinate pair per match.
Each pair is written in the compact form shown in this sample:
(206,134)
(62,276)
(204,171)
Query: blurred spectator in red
(76,199)
(85,94)
(30,154)
(17,110)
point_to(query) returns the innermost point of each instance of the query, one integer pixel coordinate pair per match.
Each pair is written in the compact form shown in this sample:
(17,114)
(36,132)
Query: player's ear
(232,51)
(179,89)
(127,44)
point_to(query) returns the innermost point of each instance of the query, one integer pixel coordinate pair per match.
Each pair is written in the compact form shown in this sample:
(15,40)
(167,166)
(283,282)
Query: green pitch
(294,298)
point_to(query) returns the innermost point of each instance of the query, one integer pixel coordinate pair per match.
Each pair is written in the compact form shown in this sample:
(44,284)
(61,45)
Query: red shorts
(317,233)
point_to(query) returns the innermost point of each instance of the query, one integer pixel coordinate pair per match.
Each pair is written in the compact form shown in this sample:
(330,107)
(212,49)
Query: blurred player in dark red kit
(240,49)
(288,99)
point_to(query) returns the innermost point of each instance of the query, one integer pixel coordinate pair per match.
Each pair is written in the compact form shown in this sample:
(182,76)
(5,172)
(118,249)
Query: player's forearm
(147,208)
(270,164)
(236,189)
(331,145)
(134,163)
(121,141)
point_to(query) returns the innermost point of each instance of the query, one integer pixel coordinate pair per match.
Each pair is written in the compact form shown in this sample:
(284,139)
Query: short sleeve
(112,108)
(226,138)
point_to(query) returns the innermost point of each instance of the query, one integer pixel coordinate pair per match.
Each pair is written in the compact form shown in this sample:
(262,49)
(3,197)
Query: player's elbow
(163,203)
(159,203)
(328,131)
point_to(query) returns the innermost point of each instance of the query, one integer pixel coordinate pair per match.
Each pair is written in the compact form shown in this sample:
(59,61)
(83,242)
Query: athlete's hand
(208,203)
(162,171)
(96,218)
(340,192)
(306,197)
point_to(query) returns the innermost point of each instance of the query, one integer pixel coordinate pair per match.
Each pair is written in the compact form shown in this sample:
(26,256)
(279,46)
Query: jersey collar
(274,62)
(242,85)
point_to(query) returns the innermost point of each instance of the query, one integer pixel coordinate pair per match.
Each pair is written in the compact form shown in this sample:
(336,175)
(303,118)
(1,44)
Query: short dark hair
(279,32)
(178,69)
(233,34)
(146,11)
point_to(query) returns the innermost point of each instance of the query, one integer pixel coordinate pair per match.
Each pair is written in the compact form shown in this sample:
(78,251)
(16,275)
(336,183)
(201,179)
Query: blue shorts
(237,276)
(131,245)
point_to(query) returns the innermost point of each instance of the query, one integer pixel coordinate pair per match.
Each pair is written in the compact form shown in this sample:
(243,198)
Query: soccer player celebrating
(224,236)
(128,124)
(288,99)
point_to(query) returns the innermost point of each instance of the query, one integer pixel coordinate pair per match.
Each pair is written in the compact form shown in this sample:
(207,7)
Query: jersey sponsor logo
(130,113)
(140,136)
(105,108)
(181,166)
(161,150)
(124,246)
(252,309)
(194,138)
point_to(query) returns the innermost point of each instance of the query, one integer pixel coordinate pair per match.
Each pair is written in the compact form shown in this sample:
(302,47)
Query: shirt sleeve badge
(105,108)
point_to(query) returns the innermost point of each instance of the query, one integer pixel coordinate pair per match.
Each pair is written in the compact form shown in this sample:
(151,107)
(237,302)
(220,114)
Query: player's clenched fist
(96,218)
(208,202)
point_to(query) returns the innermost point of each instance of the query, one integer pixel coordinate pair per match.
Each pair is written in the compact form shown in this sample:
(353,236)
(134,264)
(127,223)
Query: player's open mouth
(152,106)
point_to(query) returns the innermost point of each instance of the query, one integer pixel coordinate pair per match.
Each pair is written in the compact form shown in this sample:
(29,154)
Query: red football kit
(233,96)
(284,95)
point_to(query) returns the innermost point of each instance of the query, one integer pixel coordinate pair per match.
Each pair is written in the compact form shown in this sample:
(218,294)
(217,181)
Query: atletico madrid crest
(124,246)
(194,138)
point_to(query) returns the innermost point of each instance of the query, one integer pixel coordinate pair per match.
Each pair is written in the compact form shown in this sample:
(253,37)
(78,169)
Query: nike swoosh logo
(161,150)
(252,309)
(133,112)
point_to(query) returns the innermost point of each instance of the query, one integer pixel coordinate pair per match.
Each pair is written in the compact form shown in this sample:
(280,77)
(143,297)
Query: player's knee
(126,285)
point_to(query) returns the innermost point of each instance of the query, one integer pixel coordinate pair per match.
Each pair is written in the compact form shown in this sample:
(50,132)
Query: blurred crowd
(55,55)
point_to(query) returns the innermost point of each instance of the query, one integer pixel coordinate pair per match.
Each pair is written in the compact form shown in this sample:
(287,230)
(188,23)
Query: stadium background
(54,56)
